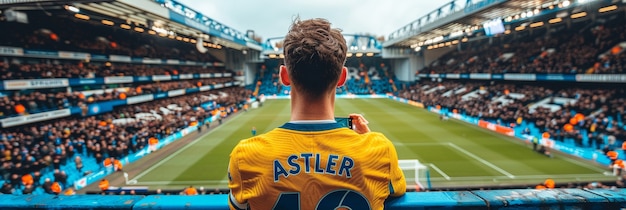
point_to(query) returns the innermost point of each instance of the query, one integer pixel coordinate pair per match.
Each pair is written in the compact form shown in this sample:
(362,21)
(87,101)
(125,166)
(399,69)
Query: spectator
(47,186)
(27,179)
(36,178)
(117,164)
(15,180)
(56,188)
(79,163)
(315,55)
(190,191)
(59,176)
(6,188)
(104,185)
(549,183)
(28,189)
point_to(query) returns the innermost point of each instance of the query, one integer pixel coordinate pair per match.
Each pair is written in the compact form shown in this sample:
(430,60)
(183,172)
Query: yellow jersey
(314,166)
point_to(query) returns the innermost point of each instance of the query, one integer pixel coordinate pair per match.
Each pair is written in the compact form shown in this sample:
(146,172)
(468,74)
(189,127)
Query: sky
(271,18)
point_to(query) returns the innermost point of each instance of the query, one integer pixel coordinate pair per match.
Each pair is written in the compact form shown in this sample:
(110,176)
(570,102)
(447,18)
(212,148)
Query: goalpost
(415,172)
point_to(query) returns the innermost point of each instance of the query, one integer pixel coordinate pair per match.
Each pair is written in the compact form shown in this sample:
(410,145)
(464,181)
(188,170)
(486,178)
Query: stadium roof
(166,17)
(40,3)
(462,18)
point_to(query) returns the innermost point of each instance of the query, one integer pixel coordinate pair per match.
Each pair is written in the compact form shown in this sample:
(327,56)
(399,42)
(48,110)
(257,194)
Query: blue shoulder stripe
(311,127)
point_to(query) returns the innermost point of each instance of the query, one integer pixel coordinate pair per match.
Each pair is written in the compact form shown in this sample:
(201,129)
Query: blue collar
(311,126)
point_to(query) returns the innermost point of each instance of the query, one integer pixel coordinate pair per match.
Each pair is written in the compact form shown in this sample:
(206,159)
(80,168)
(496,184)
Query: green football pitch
(456,153)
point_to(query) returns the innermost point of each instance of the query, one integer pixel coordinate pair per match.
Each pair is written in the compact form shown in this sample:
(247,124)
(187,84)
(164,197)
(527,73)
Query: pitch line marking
(523,177)
(183,149)
(487,163)
(420,144)
(464,152)
(583,165)
(439,171)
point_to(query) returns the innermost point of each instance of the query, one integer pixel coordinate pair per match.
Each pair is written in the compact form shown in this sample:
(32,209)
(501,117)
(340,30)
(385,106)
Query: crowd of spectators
(603,108)
(55,69)
(37,148)
(17,103)
(64,32)
(579,49)
(48,156)
(365,76)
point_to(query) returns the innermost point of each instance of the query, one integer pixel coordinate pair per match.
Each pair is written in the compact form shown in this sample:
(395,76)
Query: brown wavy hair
(314,55)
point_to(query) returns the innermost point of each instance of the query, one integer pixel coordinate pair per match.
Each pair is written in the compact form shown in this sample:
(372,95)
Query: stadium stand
(184,89)
(30,102)
(40,69)
(267,81)
(586,47)
(16,103)
(50,146)
(543,109)
(67,33)
(365,76)
(581,115)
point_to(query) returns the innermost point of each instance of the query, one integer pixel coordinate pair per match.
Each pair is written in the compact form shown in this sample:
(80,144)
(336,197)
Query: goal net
(415,173)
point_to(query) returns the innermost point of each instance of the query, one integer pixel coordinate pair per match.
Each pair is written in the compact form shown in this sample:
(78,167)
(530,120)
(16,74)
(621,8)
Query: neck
(307,109)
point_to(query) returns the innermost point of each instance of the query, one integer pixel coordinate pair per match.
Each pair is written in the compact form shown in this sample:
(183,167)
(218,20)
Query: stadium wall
(249,73)
(481,199)
(404,68)
(434,54)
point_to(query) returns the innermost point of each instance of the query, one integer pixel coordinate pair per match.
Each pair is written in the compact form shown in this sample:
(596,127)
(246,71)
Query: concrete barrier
(479,199)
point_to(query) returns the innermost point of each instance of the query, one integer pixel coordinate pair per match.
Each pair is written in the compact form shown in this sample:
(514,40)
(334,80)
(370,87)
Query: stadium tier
(365,76)
(586,47)
(66,33)
(89,92)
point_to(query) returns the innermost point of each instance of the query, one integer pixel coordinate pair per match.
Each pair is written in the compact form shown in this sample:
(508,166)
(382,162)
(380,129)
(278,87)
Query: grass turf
(457,154)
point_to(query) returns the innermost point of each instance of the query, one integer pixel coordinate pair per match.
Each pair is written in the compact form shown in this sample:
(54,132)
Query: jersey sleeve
(397,182)
(236,199)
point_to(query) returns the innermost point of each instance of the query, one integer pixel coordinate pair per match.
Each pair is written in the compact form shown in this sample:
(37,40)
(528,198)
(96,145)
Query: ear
(343,77)
(284,76)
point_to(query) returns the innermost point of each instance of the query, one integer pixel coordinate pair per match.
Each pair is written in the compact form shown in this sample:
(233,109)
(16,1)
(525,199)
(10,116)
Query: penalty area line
(439,171)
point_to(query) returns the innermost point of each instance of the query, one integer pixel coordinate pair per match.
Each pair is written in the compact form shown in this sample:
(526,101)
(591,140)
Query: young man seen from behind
(312,162)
